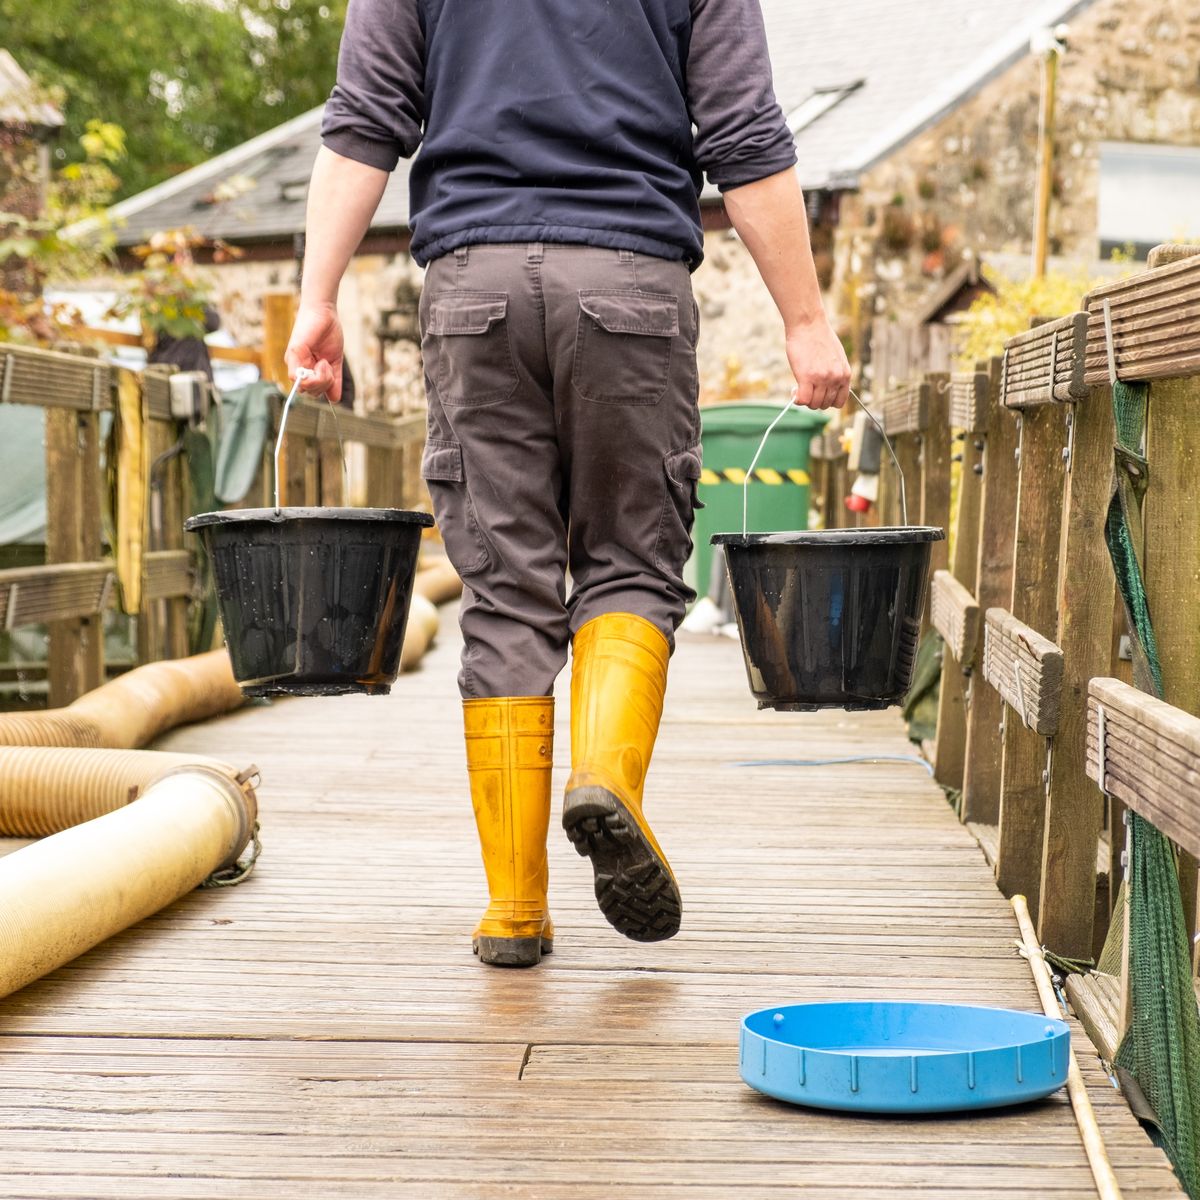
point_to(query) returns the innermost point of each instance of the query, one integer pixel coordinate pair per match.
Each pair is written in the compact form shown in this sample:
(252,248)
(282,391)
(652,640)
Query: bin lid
(743,416)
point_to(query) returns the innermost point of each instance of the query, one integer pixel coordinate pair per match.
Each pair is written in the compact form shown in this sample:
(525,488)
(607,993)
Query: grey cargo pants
(563,436)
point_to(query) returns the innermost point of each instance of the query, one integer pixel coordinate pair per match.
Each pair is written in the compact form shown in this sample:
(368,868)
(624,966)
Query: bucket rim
(284,516)
(898,535)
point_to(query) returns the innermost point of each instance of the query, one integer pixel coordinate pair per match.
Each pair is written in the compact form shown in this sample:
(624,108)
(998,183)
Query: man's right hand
(316,343)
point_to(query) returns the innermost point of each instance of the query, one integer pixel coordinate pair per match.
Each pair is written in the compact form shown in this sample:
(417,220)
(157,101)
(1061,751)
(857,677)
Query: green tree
(185,79)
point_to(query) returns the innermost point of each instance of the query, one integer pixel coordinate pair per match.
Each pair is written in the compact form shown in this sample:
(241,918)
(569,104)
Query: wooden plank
(905,409)
(1025,668)
(48,379)
(114,337)
(1045,364)
(994,572)
(1155,324)
(1094,997)
(1035,562)
(968,400)
(1155,748)
(1172,559)
(935,468)
(324,1031)
(76,651)
(34,595)
(168,574)
(1086,592)
(956,617)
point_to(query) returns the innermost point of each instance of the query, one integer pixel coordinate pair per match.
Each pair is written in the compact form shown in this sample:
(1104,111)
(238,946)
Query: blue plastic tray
(903,1058)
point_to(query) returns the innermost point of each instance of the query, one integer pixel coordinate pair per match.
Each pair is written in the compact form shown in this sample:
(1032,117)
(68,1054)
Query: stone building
(916,130)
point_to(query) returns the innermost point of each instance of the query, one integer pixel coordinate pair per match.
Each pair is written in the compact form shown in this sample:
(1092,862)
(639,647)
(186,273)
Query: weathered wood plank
(994,573)
(1153,750)
(1155,324)
(1086,593)
(968,400)
(48,379)
(956,617)
(1045,364)
(32,595)
(1025,668)
(1035,561)
(905,409)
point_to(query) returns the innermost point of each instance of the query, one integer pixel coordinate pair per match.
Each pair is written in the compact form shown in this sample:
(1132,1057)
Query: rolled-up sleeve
(741,135)
(375,112)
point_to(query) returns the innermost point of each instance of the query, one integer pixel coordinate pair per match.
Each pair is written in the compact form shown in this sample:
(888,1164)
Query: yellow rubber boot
(510,749)
(617,685)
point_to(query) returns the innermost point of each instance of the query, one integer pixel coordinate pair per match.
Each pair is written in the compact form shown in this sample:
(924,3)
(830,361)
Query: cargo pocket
(442,470)
(466,348)
(674,545)
(623,346)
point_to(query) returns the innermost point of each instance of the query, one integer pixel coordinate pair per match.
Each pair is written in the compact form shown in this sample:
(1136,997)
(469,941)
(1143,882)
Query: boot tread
(634,887)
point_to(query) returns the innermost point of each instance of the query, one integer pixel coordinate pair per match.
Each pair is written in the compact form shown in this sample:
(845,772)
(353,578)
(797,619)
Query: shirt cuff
(739,174)
(369,151)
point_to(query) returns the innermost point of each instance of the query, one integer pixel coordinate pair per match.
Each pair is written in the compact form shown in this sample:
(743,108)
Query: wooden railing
(1033,680)
(72,590)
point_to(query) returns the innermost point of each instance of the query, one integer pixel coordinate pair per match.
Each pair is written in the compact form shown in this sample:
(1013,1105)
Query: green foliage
(34,250)
(186,79)
(997,316)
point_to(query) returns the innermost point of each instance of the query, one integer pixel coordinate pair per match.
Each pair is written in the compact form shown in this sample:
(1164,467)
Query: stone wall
(1131,73)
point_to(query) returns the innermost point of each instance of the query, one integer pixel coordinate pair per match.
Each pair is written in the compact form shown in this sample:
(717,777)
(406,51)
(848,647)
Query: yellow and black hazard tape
(762,475)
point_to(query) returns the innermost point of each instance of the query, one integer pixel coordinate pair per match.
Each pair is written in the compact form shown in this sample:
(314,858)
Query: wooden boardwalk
(323,1031)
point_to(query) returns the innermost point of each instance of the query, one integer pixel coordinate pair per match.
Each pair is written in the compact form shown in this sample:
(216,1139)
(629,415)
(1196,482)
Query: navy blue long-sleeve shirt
(590,122)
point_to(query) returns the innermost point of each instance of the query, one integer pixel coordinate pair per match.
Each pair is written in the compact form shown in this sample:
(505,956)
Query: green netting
(1162,1048)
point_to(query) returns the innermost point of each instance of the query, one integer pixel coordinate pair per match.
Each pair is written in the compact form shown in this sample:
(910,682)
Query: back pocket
(466,348)
(623,346)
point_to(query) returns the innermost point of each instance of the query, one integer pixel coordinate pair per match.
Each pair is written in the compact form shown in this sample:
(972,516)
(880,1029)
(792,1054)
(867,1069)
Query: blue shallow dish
(903,1058)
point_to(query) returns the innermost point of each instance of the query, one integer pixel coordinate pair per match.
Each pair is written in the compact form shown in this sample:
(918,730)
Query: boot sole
(511,952)
(634,887)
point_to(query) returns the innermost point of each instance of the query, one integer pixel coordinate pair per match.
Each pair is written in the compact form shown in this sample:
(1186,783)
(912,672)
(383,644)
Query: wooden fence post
(1074,808)
(993,573)
(76,653)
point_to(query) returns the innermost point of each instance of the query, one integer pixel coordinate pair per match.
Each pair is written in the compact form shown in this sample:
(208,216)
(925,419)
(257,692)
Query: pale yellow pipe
(134,708)
(439,582)
(419,633)
(69,892)
(45,790)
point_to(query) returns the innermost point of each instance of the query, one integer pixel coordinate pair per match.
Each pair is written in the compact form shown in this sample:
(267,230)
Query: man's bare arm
(342,198)
(771,220)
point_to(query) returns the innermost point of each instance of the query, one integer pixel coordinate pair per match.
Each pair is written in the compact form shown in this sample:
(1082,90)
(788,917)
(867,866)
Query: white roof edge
(216,166)
(1003,54)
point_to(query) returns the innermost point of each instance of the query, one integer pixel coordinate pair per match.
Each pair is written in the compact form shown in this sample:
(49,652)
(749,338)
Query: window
(1148,194)
(818,104)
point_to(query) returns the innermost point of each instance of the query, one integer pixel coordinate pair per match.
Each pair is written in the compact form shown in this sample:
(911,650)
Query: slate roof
(857,78)
(19,101)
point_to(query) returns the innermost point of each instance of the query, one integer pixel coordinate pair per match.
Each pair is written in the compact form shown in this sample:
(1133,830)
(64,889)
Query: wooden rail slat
(968,400)
(1155,324)
(35,595)
(906,408)
(1025,668)
(956,617)
(168,575)
(1044,365)
(826,446)
(312,419)
(48,379)
(1151,757)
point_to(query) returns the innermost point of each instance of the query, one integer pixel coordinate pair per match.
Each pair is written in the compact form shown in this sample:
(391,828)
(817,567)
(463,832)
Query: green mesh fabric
(1162,1048)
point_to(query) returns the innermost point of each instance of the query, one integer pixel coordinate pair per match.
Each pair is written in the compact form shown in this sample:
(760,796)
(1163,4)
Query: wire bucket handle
(303,373)
(783,412)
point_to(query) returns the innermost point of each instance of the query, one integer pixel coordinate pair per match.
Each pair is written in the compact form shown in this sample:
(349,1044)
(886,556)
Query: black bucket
(314,600)
(829,618)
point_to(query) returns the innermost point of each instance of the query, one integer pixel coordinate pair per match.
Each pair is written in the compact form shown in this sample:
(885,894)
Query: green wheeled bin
(779,491)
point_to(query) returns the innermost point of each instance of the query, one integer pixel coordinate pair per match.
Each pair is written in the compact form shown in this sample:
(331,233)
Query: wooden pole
(1041,234)
(1107,1186)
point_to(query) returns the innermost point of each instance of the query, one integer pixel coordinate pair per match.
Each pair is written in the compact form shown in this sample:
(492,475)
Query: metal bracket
(1053,362)
(1069,449)
(1047,774)
(1102,746)
(1109,345)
